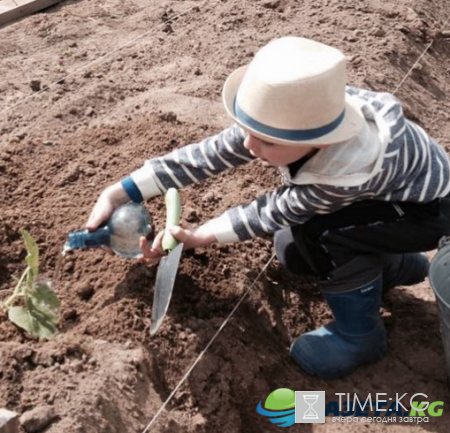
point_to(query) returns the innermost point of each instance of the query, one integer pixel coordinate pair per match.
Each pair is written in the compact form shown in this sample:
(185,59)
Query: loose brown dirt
(114,107)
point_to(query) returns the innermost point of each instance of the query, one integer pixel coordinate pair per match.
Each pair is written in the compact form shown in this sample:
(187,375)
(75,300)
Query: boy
(365,191)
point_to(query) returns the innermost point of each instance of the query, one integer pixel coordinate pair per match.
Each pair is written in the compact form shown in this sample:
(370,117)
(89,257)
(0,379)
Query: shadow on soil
(250,358)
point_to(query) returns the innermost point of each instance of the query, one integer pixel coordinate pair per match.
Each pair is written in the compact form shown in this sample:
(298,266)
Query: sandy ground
(91,89)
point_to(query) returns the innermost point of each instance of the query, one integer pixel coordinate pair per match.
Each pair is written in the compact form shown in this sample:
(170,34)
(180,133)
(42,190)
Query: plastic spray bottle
(121,233)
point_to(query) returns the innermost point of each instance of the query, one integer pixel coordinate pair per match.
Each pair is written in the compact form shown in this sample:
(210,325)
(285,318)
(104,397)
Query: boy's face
(275,154)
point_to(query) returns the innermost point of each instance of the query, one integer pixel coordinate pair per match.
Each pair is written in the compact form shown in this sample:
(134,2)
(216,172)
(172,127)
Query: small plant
(36,315)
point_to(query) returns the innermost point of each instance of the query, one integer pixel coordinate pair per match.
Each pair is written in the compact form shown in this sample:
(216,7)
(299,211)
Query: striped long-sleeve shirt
(392,159)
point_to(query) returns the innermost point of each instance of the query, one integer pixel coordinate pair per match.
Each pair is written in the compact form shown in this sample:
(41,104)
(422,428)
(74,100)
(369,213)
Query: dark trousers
(348,248)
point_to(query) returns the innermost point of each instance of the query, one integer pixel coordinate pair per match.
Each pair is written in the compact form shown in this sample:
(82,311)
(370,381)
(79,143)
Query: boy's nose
(251,143)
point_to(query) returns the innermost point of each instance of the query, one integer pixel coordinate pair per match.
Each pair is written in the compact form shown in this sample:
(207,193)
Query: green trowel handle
(173,210)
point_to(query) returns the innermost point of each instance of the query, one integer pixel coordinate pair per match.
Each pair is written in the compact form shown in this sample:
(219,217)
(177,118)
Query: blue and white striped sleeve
(286,206)
(190,164)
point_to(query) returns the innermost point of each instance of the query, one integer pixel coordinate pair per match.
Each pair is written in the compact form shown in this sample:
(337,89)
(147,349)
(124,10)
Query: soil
(90,90)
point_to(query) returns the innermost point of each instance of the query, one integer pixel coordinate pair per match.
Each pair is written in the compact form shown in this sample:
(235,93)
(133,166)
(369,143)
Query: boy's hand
(151,254)
(191,238)
(111,198)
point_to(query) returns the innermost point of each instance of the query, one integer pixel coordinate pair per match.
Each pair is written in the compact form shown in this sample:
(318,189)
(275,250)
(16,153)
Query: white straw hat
(293,93)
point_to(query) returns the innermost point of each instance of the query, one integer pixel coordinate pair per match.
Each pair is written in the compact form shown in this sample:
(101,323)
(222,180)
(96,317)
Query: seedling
(36,314)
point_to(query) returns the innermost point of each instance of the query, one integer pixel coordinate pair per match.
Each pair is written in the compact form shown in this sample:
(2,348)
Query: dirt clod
(167,28)
(37,419)
(85,291)
(170,117)
(271,4)
(70,315)
(89,112)
(35,85)
(379,32)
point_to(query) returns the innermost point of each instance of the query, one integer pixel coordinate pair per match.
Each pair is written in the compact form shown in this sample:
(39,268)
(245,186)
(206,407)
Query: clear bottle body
(127,225)
(121,233)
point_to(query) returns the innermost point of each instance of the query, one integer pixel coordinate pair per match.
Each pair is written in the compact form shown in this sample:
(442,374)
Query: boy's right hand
(111,198)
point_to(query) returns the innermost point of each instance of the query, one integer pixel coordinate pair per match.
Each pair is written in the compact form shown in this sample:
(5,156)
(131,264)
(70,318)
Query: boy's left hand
(191,238)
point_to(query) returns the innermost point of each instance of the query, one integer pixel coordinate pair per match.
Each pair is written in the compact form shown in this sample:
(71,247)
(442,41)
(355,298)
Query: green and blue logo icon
(279,407)
(285,407)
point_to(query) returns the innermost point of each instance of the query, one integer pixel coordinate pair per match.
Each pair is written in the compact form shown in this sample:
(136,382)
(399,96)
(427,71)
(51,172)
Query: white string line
(254,282)
(99,60)
(207,346)
(420,58)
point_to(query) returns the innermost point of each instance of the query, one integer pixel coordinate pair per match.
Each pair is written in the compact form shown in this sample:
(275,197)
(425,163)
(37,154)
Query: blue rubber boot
(356,337)
(404,269)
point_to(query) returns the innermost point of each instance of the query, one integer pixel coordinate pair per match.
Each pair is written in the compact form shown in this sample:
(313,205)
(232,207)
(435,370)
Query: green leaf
(38,322)
(46,319)
(42,313)
(32,258)
(41,309)
(36,315)
(43,294)
(22,318)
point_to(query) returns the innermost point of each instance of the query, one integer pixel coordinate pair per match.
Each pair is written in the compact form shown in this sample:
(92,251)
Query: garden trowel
(168,266)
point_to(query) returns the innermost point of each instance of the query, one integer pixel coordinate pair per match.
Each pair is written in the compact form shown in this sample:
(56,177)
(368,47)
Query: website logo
(309,407)
(285,407)
(279,407)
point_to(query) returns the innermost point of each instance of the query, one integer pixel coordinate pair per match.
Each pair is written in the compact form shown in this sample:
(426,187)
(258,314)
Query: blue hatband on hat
(286,134)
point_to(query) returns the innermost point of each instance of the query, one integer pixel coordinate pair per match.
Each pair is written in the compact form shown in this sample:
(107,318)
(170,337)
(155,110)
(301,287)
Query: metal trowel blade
(165,280)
